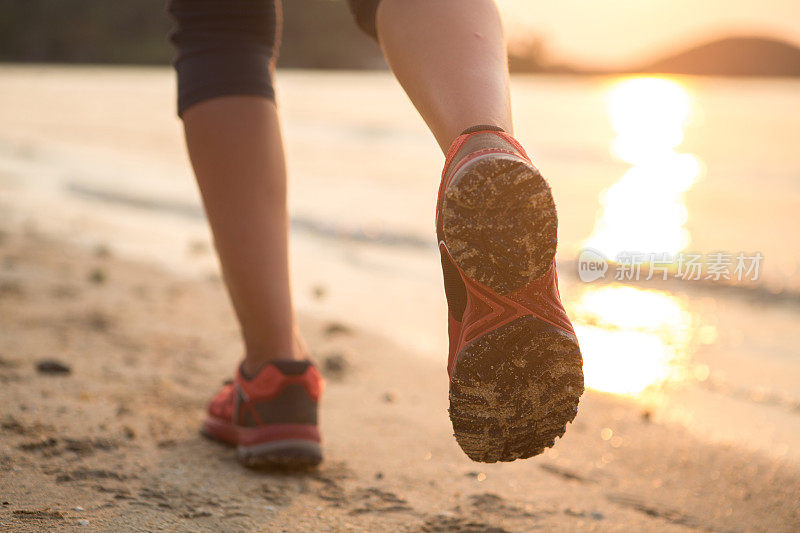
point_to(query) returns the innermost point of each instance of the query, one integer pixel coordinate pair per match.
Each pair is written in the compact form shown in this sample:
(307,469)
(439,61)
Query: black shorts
(227,47)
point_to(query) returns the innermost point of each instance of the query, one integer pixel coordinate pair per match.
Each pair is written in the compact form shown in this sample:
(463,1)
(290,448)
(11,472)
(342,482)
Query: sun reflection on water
(644,211)
(631,338)
(635,339)
(648,115)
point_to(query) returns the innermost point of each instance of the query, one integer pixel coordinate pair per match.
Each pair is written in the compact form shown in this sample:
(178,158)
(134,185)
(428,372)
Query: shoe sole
(514,389)
(283,454)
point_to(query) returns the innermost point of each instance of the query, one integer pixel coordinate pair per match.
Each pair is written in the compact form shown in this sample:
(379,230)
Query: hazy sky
(616,32)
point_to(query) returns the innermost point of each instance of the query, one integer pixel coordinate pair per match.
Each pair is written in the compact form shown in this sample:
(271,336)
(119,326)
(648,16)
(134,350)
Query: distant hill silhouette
(733,56)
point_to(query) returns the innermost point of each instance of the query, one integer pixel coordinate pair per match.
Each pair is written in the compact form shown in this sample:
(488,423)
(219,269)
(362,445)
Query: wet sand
(114,442)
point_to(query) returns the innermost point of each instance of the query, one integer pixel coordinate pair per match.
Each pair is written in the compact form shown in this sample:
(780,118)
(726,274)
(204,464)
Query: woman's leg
(236,150)
(450,57)
(514,364)
(226,51)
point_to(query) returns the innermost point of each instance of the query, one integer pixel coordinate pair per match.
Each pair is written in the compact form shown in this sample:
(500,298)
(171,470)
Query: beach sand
(107,266)
(115,442)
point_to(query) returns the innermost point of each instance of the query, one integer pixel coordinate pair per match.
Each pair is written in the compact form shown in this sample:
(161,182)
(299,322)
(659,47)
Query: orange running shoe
(514,364)
(271,418)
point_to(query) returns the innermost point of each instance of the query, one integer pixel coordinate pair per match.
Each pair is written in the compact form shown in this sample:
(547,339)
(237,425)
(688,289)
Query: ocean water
(654,165)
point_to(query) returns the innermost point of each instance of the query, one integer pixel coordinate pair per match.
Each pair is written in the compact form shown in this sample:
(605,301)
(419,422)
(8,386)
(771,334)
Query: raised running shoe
(514,364)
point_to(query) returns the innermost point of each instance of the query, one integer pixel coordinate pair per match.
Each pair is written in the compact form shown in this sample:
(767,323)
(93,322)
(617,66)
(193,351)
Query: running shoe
(270,418)
(515,366)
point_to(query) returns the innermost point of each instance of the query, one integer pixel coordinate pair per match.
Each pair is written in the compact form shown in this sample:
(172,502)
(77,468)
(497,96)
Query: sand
(106,268)
(113,445)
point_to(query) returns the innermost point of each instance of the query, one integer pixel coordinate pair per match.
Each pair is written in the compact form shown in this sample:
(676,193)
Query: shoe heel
(514,389)
(290,454)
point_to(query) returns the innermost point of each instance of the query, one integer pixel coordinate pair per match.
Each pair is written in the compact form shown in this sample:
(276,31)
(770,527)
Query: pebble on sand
(102,251)
(97,276)
(335,364)
(337,328)
(389,397)
(52,366)
(318,292)
(129,432)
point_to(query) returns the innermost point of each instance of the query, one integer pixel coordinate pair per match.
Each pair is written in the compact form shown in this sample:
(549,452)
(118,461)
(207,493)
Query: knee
(364,12)
(224,47)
